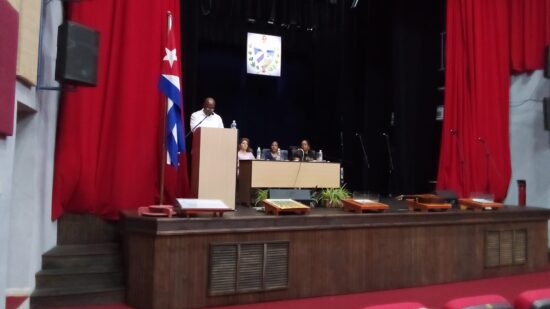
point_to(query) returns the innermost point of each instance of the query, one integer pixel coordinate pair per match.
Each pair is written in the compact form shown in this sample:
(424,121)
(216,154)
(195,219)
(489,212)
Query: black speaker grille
(77,50)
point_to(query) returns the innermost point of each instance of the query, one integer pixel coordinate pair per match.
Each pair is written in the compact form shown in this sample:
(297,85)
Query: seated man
(304,153)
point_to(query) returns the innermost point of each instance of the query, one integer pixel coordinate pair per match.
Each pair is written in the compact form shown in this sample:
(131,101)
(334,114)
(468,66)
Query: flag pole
(163,127)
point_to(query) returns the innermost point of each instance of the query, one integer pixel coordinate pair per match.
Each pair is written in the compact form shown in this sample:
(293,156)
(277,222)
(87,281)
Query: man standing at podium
(206,117)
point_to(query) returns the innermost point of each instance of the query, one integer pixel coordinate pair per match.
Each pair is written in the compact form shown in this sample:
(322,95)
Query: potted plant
(261,194)
(331,197)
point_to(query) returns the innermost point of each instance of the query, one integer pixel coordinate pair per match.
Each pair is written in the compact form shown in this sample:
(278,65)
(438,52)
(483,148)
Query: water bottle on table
(258,153)
(320,156)
(234,125)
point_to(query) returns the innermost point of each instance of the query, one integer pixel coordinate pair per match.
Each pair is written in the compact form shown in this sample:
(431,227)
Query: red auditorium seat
(534,299)
(410,305)
(479,302)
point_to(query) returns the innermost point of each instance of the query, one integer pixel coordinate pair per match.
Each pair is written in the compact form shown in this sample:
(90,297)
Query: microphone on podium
(198,124)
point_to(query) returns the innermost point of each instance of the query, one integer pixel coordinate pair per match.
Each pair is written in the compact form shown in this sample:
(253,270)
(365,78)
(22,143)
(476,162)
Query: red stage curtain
(108,144)
(475,129)
(529,33)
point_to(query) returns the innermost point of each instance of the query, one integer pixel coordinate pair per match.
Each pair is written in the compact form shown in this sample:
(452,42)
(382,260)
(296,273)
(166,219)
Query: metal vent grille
(276,270)
(505,247)
(520,246)
(223,269)
(247,267)
(492,257)
(250,268)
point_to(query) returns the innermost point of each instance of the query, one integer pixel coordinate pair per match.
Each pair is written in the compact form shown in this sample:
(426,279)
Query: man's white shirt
(214,121)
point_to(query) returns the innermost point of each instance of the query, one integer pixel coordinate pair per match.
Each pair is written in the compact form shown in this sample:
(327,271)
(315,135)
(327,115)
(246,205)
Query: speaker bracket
(67,88)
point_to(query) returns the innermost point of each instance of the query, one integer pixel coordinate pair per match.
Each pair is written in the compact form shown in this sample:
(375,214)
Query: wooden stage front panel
(331,252)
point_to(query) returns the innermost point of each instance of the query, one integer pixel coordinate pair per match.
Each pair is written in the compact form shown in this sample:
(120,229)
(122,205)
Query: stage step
(82,229)
(78,256)
(80,296)
(97,276)
(85,274)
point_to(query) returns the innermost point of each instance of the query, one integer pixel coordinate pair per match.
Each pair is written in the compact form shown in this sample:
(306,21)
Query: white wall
(529,142)
(7,151)
(26,177)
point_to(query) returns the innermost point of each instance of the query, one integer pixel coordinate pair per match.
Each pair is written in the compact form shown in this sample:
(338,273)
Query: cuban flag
(170,86)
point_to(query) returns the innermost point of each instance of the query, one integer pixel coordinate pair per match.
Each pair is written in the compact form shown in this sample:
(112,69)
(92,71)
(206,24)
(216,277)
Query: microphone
(198,124)
(303,153)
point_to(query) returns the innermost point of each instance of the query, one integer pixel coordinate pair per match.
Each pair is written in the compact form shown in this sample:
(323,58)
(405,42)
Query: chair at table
(284,154)
(533,299)
(294,152)
(479,302)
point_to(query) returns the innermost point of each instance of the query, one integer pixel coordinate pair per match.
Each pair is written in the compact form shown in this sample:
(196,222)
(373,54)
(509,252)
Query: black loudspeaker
(546,112)
(547,61)
(77,49)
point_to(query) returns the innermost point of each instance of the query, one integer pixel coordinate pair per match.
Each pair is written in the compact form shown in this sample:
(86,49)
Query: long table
(285,174)
(247,256)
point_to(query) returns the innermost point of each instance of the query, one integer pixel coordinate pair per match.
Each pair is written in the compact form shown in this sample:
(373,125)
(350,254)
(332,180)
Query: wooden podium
(214,164)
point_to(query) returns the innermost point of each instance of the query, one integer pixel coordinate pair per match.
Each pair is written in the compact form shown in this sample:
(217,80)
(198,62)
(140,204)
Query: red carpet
(434,296)
(13,302)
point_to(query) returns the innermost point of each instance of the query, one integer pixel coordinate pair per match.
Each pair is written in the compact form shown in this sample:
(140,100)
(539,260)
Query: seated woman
(245,152)
(304,153)
(274,153)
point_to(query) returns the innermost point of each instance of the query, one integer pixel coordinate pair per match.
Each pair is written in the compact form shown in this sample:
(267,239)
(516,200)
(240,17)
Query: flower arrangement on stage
(261,194)
(331,197)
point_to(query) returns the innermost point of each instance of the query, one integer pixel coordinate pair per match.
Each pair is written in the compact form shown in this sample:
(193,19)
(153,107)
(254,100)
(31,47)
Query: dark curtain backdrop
(347,76)
(486,41)
(108,144)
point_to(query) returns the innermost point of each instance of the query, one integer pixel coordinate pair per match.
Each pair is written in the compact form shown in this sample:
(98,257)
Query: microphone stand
(391,167)
(366,165)
(460,156)
(487,156)
(198,124)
